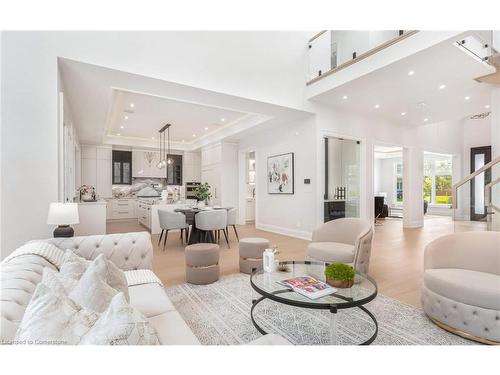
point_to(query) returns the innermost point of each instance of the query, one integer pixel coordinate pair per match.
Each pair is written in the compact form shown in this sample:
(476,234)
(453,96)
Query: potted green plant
(202,192)
(340,275)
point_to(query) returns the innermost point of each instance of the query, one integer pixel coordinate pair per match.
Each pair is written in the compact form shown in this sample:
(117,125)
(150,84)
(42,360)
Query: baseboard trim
(303,235)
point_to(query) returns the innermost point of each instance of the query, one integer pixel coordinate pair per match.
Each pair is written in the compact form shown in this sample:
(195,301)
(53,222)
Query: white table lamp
(63,215)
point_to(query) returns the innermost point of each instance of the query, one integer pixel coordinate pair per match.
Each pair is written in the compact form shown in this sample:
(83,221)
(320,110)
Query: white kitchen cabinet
(122,208)
(191,165)
(96,169)
(211,175)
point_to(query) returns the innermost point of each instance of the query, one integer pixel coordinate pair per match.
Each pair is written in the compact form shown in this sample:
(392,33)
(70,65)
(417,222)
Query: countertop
(93,203)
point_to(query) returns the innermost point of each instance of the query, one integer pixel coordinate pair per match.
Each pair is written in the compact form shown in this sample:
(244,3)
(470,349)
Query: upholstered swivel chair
(231,221)
(461,288)
(210,222)
(170,220)
(345,240)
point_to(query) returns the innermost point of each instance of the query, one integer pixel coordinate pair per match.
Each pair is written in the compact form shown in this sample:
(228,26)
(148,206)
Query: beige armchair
(461,289)
(346,240)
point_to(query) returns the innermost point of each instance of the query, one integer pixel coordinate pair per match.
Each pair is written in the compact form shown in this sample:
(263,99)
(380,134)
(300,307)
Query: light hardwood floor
(396,261)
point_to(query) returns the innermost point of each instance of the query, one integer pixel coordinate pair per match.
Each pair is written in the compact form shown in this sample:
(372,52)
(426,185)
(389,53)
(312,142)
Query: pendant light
(164,147)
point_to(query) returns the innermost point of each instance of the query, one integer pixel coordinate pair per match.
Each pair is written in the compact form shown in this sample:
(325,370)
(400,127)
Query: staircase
(461,198)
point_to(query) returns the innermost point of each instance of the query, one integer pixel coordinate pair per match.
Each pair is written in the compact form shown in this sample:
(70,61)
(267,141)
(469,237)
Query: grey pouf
(202,263)
(251,250)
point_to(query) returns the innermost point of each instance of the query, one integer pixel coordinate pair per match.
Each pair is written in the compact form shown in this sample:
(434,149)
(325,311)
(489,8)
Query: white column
(413,174)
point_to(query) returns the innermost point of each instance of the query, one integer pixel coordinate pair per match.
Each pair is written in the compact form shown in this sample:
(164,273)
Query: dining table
(190,213)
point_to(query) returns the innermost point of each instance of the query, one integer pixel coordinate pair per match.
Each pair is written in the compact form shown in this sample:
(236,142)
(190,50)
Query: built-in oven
(190,189)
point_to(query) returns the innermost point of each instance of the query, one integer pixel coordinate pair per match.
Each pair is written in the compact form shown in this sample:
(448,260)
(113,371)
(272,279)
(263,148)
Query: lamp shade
(63,214)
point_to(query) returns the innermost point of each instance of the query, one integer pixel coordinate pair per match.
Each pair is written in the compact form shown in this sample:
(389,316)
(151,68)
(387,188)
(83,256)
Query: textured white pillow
(121,324)
(92,291)
(74,267)
(55,282)
(52,318)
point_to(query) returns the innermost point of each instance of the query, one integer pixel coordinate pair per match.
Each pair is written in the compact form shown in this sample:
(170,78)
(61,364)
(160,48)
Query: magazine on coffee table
(308,286)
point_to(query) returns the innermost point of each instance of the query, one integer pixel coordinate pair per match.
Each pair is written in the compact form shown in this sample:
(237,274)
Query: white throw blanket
(45,250)
(138,277)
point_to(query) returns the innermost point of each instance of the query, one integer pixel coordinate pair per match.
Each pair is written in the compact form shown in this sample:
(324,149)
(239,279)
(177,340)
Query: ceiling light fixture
(411,72)
(165,158)
(487,106)
(222,119)
(152,137)
(183,141)
(376,106)
(206,128)
(194,135)
(426,119)
(118,134)
(467,98)
(132,105)
(344,97)
(126,117)
(403,113)
(121,127)
(442,87)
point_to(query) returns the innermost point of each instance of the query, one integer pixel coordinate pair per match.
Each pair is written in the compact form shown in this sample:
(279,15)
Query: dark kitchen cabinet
(174,170)
(122,167)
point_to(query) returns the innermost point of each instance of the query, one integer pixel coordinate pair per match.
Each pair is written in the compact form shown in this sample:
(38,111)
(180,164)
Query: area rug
(219,314)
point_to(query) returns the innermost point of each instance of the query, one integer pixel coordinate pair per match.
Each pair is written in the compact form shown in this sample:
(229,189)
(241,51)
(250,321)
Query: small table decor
(339,275)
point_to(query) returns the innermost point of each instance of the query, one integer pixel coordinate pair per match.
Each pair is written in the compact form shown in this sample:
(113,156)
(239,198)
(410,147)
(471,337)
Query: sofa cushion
(150,299)
(172,329)
(74,267)
(331,252)
(466,286)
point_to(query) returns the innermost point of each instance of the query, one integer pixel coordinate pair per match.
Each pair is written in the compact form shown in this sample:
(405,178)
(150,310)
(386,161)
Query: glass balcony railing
(479,44)
(332,50)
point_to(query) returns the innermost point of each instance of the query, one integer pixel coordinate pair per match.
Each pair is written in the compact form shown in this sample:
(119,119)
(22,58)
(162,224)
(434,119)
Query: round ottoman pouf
(202,263)
(251,250)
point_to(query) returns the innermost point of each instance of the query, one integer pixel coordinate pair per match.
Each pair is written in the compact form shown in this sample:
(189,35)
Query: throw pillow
(53,318)
(121,324)
(74,267)
(92,291)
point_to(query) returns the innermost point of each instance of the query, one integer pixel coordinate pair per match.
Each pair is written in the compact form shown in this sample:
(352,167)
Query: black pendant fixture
(165,159)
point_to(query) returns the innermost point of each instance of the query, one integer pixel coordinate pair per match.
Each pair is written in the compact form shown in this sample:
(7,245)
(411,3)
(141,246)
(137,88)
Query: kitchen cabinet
(191,166)
(122,208)
(219,168)
(96,169)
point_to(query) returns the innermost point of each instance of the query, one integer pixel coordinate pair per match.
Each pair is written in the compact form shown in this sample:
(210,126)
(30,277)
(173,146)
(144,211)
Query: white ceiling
(418,96)
(98,98)
(150,113)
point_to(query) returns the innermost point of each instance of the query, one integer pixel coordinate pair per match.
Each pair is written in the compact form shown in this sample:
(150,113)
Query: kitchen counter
(93,203)
(92,217)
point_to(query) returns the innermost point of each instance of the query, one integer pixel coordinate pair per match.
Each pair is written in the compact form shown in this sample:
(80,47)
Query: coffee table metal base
(333,321)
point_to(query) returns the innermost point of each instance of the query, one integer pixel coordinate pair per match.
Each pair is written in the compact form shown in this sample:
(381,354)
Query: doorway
(479,156)
(247,186)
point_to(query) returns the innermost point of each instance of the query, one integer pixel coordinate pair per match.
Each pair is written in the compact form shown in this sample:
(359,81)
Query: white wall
(385,174)
(286,214)
(267,66)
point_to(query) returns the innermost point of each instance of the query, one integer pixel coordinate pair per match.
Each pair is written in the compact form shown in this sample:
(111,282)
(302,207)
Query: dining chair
(210,223)
(170,220)
(231,221)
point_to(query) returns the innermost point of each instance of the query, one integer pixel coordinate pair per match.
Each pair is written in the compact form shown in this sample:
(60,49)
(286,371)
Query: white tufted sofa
(461,289)
(129,251)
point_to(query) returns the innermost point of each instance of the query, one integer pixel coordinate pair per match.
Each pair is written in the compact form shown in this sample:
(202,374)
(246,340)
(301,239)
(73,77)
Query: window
(399,183)
(437,178)
(122,167)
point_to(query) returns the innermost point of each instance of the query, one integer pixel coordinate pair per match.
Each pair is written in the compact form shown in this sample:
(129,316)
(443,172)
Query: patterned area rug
(219,314)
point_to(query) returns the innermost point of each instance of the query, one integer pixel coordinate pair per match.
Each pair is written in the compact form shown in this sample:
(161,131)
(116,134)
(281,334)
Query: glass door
(479,156)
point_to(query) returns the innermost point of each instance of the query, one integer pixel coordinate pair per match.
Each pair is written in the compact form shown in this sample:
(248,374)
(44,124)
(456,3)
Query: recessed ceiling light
(297,133)
(183,141)
(222,119)
(426,119)
(344,97)
(376,106)
(194,135)
(206,128)
(411,72)
(121,127)
(467,98)
(487,106)
(152,137)
(132,105)
(442,87)
(403,113)
(118,134)
(126,117)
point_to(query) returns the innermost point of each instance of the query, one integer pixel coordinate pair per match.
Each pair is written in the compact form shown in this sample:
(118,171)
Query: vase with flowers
(87,193)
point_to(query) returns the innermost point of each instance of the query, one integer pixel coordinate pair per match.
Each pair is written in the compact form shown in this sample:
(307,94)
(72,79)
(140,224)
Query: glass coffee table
(266,284)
